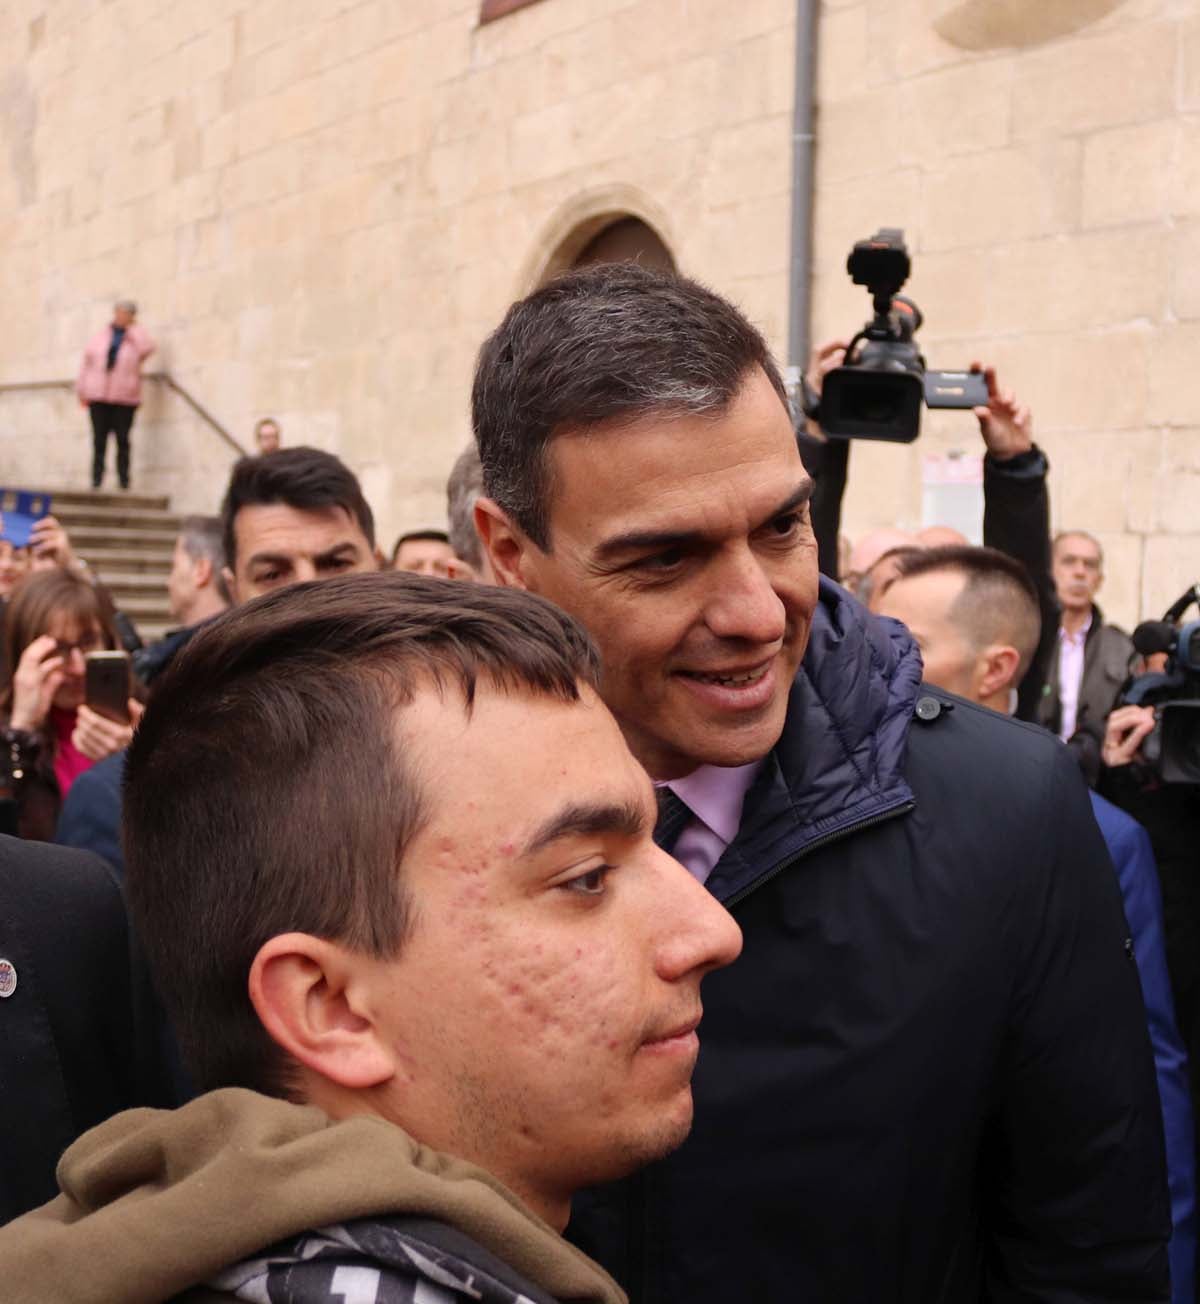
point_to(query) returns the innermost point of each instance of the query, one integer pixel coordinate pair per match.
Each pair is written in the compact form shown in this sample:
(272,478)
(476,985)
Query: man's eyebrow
(649,540)
(626,819)
(270,559)
(347,545)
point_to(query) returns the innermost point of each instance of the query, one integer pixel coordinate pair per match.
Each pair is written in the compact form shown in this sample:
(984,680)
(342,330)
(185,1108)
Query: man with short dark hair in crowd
(916,1085)
(974,615)
(423,552)
(293,515)
(1090,660)
(431,982)
(289,516)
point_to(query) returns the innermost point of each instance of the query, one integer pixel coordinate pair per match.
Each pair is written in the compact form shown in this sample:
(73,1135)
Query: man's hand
(823,360)
(50,545)
(97,737)
(37,678)
(1124,731)
(1006,425)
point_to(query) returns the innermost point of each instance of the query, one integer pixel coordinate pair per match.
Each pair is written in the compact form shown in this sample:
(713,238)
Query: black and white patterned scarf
(377,1261)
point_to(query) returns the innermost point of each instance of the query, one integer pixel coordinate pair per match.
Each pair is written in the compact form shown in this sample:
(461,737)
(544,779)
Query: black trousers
(118,418)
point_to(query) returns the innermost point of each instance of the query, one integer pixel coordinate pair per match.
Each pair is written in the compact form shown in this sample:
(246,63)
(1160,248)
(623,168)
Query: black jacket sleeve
(1075,1161)
(827,462)
(1016,521)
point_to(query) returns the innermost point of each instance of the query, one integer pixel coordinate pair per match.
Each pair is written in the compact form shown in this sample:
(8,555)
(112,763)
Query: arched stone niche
(1001,24)
(607,225)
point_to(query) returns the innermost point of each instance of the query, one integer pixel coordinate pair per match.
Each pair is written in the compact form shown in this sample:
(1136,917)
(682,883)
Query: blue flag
(19,508)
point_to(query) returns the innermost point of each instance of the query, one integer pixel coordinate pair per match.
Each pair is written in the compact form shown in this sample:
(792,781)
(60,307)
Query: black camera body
(878,391)
(1172,748)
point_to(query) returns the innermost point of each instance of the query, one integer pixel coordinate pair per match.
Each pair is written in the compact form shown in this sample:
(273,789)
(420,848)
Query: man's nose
(304,570)
(743,603)
(699,933)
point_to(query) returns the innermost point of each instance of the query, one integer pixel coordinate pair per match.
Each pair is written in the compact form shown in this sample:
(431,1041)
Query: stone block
(1127,173)
(1170,564)
(749,161)
(841,57)
(1074,86)
(1120,595)
(999,196)
(954,110)
(1172,375)
(1189,64)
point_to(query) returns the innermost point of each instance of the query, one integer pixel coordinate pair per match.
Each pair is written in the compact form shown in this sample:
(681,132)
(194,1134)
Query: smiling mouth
(732,679)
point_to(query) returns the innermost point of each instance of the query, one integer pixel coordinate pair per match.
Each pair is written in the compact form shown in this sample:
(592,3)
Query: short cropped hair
(998,603)
(430,535)
(267,791)
(307,479)
(463,489)
(202,541)
(607,343)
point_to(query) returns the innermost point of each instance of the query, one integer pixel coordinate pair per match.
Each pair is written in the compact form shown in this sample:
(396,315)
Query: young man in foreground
(387,936)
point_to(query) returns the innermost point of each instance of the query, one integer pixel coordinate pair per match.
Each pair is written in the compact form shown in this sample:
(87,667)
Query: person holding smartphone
(49,735)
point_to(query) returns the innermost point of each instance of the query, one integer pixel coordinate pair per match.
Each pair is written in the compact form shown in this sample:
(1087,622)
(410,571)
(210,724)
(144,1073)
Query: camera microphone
(1153,636)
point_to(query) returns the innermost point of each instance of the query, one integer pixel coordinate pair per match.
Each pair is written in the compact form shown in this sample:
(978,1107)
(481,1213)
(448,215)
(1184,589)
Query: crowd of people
(359,954)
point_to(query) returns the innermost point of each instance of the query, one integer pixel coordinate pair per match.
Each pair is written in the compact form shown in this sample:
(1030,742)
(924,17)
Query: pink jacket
(123,384)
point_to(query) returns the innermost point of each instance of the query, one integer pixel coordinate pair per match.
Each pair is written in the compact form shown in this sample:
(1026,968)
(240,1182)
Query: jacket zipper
(641,1220)
(816,844)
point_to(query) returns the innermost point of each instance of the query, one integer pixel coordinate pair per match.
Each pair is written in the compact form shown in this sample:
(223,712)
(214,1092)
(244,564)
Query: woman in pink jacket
(110,386)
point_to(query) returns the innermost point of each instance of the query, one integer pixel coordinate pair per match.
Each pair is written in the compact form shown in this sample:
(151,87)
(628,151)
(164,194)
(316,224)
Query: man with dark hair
(431,983)
(423,552)
(293,515)
(974,614)
(916,1085)
(463,490)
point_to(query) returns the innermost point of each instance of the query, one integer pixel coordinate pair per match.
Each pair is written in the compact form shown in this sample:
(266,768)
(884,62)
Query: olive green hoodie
(156,1201)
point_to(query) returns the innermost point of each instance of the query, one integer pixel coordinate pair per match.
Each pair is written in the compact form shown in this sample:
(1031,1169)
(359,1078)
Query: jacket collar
(840,760)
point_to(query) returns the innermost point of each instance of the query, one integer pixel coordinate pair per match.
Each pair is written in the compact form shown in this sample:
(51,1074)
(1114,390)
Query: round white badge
(8,978)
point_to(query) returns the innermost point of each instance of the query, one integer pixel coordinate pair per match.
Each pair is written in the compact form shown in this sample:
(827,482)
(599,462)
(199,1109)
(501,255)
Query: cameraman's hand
(1006,425)
(1124,731)
(823,360)
(96,736)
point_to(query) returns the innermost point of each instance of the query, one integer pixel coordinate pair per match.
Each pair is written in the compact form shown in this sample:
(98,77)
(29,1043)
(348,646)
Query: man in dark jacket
(77,1035)
(1090,660)
(920,1082)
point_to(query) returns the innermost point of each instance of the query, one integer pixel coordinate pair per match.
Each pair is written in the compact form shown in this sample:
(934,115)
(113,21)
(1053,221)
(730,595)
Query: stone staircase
(127,539)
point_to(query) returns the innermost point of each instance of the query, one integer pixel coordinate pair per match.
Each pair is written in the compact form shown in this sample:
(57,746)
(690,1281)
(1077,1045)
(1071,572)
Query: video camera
(878,391)
(1172,749)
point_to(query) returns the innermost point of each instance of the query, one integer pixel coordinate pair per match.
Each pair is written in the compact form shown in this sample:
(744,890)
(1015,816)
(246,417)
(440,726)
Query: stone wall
(1045,163)
(323,207)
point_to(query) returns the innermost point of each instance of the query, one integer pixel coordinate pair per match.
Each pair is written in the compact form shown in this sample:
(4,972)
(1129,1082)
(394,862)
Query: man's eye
(590,884)
(660,561)
(784,526)
(339,563)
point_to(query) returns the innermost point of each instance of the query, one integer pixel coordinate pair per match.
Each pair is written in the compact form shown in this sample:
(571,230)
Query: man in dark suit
(78,1041)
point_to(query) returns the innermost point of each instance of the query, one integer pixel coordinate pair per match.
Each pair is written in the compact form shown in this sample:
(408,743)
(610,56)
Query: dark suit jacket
(1106,655)
(77,1037)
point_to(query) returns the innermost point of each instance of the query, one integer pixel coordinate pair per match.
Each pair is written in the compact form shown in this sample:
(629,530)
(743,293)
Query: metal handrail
(164,377)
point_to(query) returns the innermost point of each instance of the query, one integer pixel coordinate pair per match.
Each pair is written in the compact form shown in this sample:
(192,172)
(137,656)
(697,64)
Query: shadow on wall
(1001,24)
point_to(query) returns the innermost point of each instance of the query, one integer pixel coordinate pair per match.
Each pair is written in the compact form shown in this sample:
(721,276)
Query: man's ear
(203,572)
(457,569)
(381,562)
(996,670)
(508,547)
(312,997)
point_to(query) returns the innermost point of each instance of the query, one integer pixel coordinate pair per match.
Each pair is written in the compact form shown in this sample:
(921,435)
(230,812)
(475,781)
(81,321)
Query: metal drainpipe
(803,140)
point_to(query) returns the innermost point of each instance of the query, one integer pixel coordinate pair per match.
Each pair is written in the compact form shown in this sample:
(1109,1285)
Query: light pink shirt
(1070,676)
(714,794)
